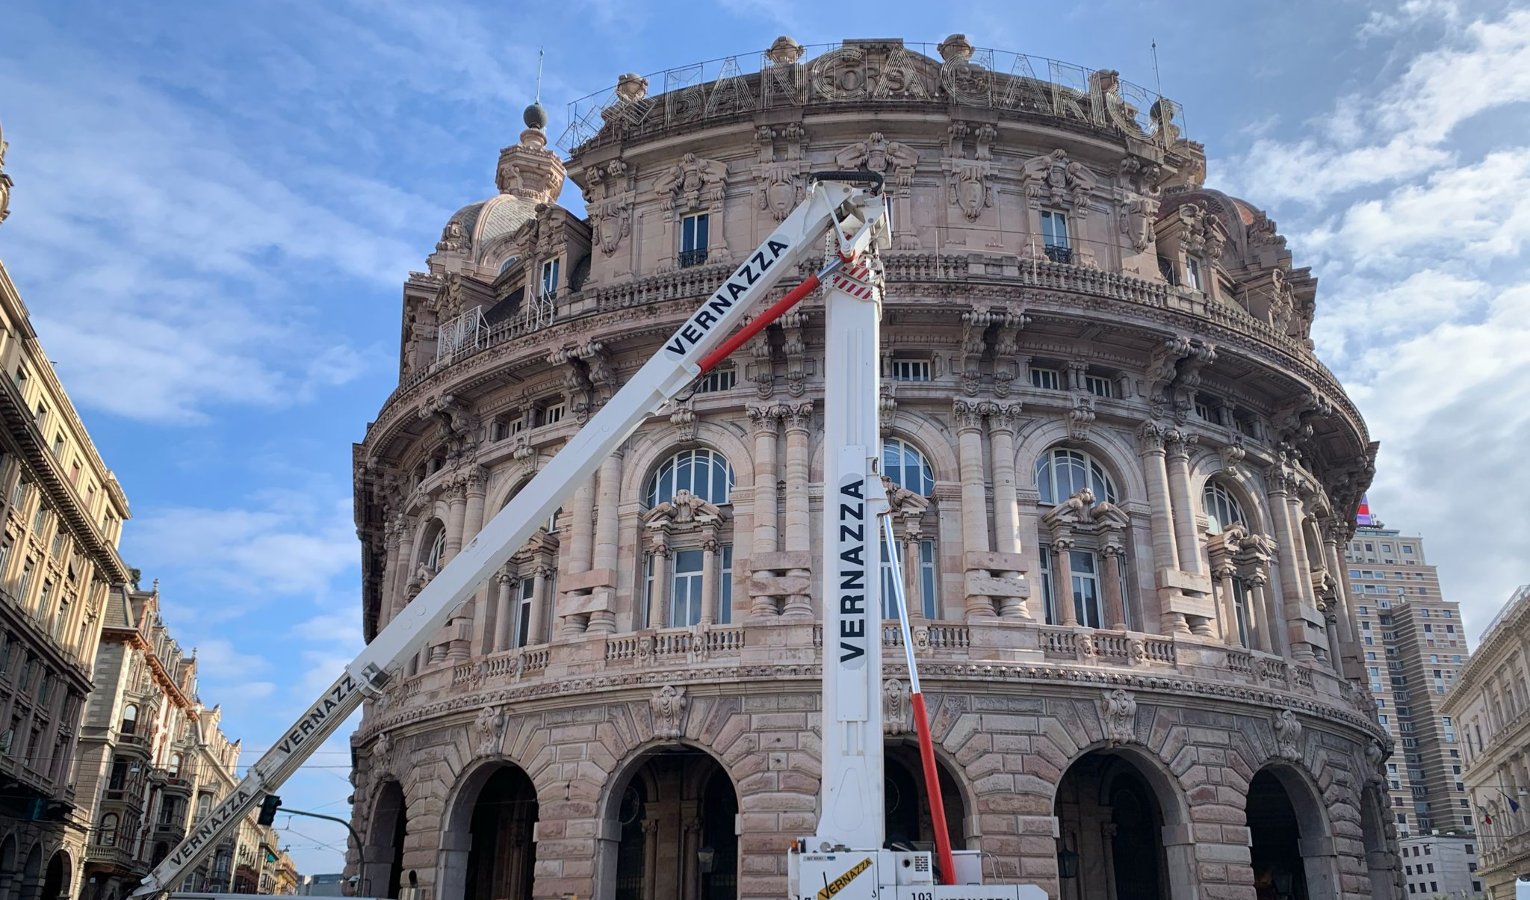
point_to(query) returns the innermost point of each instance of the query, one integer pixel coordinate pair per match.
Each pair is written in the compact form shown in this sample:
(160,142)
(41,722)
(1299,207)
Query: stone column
(473,617)
(1165,552)
(968,417)
(456,517)
(658,597)
(389,580)
(912,593)
(607,523)
(581,531)
(404,535)
(1281,484)
(1260,604)
(1115,599)
(710,582)
(537,632)
(1062,580)
(1225,572)
(1182,509)
(1303,561)
(798,538)
(1006,502)
(504,618)
(1343,614)
(767,536)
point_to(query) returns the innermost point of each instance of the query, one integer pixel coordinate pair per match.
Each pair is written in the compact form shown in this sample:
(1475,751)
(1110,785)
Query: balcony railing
(690,258)
(1059,254)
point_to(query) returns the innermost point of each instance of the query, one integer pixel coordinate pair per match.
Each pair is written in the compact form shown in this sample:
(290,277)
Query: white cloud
(233,559)
(217,659)
(1396,130)
(1391,22)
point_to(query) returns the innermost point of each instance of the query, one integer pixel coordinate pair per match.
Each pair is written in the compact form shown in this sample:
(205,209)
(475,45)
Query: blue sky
(216,205)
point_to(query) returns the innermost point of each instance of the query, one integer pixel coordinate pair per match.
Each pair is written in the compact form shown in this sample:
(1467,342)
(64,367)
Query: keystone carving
(609,200)
(668,705)
(1288,735)
(490,728)
(782,169)
(1118,713)
(895,707)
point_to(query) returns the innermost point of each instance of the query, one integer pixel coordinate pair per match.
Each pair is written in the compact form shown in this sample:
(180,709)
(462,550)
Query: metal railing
(690,258)
(1059,254)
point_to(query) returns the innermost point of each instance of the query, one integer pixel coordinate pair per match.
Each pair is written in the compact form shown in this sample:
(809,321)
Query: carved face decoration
(971,193)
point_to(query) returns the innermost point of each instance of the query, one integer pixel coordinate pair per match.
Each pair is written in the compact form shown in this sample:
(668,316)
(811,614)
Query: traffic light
(268,809)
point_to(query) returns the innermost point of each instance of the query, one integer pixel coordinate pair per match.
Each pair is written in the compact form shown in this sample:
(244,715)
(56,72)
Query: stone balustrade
(996,651)
(1229,325)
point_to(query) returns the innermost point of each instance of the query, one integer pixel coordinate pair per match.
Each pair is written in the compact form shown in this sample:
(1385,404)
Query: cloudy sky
(216,205)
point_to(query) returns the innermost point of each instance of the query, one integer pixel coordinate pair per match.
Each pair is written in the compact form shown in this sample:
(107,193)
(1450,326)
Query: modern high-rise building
(62,512)
(1491,706)
(1121,483)
(1414,646)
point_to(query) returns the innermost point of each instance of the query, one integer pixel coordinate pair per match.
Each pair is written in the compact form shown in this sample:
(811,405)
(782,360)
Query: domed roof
(486,222)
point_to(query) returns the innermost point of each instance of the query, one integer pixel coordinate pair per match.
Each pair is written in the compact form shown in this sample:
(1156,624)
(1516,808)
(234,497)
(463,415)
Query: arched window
(175,765)
(906,466)
(108,835)
(703,472)
(1061,473)
(1222,508)
(435,550)
(130,719)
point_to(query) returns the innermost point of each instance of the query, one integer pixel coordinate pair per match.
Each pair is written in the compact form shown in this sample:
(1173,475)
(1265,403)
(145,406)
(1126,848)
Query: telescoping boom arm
(846,202)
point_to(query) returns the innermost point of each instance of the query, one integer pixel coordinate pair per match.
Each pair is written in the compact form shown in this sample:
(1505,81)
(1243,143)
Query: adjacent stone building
(62,513)
(1123,482)
(1491,703)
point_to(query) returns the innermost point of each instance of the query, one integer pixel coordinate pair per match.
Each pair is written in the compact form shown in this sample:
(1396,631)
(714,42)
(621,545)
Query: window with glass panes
(1086,587)
(1046,379)
(1062,472)
(1054,229)
(911,370)
(693,239)
(550,273)
(1222,508)
(1099,386)
(702,471)
(907,467)
(525,592)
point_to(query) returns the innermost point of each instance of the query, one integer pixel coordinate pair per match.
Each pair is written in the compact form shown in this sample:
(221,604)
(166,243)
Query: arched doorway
(906,801)
(31,874)
(1110,814)
(8,883)
(675,812)
(502,859)
(1290,848)
(56,880)
(383,869)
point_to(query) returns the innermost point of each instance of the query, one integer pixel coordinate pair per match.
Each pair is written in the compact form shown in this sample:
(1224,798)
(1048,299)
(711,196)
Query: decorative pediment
(692,183)
(1073,512)
(1054,179)
(684,512)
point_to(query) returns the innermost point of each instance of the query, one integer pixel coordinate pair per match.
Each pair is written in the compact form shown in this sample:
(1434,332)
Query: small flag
(1513,804)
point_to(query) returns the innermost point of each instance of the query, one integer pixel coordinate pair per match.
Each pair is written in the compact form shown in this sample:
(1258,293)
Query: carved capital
(968,415)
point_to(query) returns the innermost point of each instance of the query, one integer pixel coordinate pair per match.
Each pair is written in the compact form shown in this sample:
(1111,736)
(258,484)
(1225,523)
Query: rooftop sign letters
(790,75)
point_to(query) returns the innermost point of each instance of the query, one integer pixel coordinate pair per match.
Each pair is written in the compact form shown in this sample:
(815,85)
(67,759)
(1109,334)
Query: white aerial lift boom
(844,858)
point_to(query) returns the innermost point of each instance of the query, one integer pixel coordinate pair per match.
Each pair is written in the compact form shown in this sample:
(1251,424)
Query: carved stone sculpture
(668,705)
(895,707)
(489,726)
(1288,735)
(1118,713)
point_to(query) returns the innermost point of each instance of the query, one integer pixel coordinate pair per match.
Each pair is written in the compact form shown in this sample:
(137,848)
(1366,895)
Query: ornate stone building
(62,512)
(1123,480)
(153,759)
(1491,705)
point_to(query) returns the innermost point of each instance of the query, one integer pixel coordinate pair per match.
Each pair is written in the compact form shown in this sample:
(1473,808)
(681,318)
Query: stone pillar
(1006,503)
(1165,551)
(504,618)
(968,417)
(537,632)
(473,617)
(456,517)
(1225,573)
(658,596)
(581,531)
(710,582)
(1115,599)
(1182,510)
(1303,561)
(1260,607)
(1062,580)
(912,592)
(607,523)
(766,540)
(1280,485)
(798,537)
(404,535)
(387,588)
